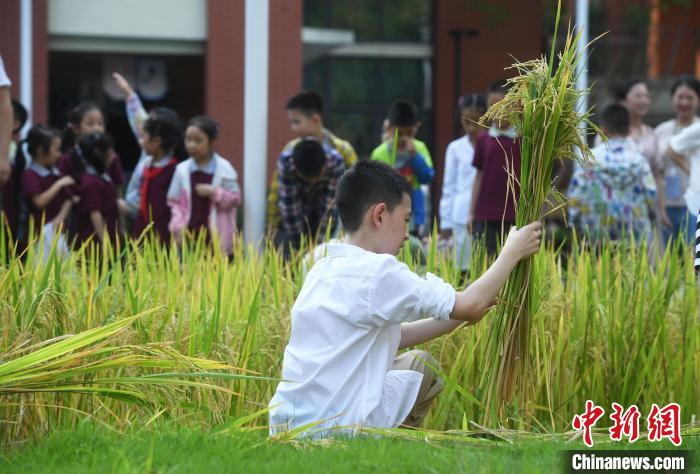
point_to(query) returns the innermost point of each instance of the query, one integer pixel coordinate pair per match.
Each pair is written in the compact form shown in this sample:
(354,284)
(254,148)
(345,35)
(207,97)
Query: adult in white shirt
(684,150)
(685,95)
(6,121)
(458,179)
(359,305)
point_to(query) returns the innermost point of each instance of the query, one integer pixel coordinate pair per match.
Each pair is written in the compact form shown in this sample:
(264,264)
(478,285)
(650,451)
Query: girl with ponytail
(46,191)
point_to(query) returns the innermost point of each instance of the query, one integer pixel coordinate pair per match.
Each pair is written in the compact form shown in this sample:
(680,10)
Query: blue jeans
(683,224)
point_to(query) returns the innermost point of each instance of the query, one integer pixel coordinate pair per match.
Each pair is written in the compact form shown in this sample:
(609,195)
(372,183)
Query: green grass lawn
(91,449)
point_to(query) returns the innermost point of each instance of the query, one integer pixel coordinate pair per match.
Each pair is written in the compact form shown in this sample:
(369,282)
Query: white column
(255,118)
(25,58)
(582,65)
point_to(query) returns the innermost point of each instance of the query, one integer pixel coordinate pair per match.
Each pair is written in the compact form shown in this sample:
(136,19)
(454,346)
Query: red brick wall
(10,50)
(9,41)
(225,73)
(678,46)
(518,32)
(224,76)
(285,72)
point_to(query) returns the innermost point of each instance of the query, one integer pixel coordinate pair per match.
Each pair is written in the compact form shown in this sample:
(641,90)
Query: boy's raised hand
(524,242)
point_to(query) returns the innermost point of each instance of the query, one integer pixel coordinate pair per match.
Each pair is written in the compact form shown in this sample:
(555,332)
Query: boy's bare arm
(472,303)
(426,330)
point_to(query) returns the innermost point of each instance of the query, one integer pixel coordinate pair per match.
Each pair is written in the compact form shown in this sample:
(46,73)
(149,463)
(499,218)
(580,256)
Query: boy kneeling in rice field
(359,305)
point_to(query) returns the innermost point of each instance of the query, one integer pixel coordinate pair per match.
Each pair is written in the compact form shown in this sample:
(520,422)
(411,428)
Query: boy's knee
(423,357)
(426,364)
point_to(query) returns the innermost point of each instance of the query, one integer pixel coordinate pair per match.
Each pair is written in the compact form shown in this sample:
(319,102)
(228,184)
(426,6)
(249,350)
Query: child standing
(204,192)
(160,134)
(83,120)
(46,191)
(459,179)
(98,216)
(412,158)
(359,305)
(15,213)
(305,114)
(496,188)
(153,175)
(307,181)
(617,194)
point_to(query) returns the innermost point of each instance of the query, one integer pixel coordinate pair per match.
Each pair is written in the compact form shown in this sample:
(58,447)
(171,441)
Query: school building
(201,56)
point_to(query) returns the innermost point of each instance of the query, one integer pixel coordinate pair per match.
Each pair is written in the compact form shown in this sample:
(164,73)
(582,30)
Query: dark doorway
(75,78)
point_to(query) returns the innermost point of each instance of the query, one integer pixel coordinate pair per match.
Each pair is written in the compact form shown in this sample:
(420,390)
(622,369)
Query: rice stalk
(542,106)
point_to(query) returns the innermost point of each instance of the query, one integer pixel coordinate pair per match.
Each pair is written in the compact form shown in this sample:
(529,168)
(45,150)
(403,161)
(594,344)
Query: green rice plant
(542,106)
(609,325)
(97,363)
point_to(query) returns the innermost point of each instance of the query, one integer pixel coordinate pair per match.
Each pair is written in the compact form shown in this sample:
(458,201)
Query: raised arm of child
(135,112)
(472,304)
(42,200)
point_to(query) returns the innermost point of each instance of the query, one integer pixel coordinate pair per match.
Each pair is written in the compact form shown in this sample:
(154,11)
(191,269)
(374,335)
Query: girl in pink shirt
(204,192)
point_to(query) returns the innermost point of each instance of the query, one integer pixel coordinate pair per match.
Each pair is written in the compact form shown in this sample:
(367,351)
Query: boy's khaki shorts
(430,386)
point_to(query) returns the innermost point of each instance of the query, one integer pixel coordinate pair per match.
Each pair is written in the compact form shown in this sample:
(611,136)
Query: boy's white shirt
(346,330)
(458,183)
(687,143)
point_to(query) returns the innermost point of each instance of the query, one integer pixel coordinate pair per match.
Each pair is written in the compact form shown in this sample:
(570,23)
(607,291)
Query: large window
(389,58)
(373,20)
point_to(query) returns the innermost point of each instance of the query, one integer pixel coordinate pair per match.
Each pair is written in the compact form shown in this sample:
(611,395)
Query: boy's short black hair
(306,102)
(309,157)
(615,119)
(19,113)
(403,113)
(365,184)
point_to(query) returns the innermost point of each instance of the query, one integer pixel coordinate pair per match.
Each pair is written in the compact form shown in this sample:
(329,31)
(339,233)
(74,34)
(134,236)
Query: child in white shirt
(359,305)
(459,178)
